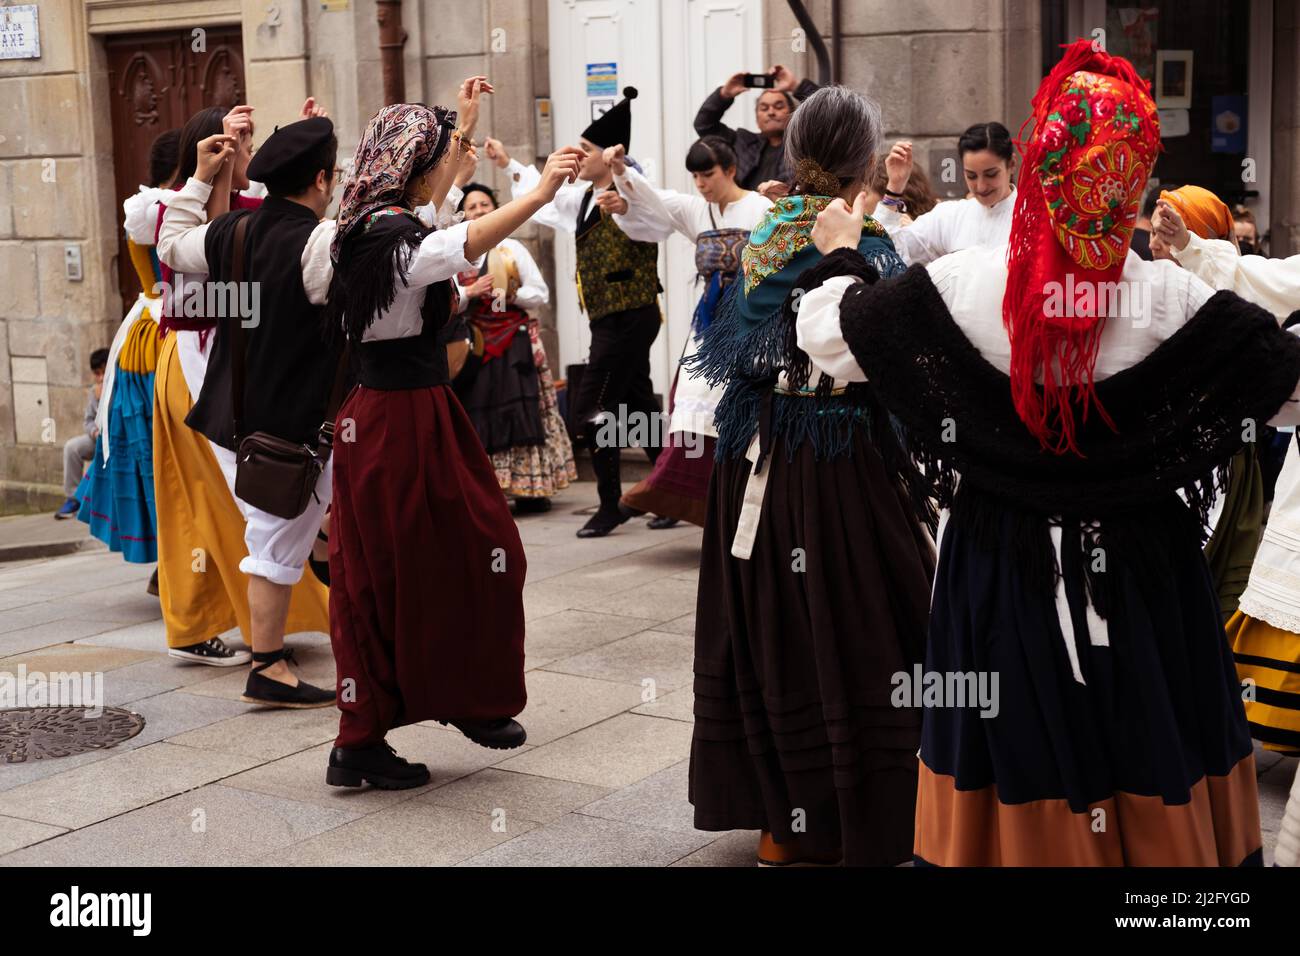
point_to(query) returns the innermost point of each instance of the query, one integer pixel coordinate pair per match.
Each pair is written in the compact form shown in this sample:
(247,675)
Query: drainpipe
(815,38)
(392,39)
(837,53)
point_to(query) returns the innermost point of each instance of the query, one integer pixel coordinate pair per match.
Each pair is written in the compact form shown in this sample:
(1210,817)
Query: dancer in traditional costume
(200,527)
(117,494)
(506,384)
(618,286)
(718,221)
(1057,434)
(815,573)
(981,219)
(427,569)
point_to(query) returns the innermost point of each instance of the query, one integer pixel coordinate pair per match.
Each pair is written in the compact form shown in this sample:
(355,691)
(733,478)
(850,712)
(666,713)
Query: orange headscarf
(1095,138)
(1203,212)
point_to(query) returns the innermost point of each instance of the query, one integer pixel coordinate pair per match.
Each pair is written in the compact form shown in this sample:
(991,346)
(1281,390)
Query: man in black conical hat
(618,285)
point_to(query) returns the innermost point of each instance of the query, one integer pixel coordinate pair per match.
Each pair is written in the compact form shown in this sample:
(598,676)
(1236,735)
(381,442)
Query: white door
(675,52)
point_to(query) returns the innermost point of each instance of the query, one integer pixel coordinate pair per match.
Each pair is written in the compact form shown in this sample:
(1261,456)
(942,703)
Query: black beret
(287,144)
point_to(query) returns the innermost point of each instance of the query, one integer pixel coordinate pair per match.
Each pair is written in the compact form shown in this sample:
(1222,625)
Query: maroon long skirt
(678,486)
(427,569)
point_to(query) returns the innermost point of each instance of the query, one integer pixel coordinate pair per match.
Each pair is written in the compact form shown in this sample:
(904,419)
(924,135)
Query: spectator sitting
(81,448)
(760,157)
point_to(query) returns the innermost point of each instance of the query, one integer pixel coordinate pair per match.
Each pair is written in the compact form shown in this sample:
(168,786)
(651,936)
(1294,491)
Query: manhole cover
(43,733)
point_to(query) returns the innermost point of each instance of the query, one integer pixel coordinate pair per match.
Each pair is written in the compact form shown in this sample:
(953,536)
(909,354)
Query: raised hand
(898,165)
(786,81)
(839,226)
(311,110)
(467,101)
(615,157)
(1168,225)
(496,152)
(213,152)
(561,167)
(238,122)
(611,203)
(734,86)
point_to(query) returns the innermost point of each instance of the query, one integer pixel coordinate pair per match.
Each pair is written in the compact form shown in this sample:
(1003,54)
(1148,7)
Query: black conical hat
(615,126)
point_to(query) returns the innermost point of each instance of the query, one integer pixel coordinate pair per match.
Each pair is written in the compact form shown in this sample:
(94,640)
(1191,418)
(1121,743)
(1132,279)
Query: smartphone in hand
(759,81)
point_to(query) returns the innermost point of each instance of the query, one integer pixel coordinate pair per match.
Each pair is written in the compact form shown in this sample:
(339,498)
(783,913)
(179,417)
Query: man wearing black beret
(288,370)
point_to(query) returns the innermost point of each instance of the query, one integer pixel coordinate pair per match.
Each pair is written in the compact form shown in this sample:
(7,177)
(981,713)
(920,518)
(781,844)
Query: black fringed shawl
(1180,414)
(372,260)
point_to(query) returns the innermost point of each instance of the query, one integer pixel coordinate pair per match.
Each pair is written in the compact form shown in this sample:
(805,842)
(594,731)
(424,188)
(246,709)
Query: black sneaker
(212,652)
(503,734)
(602,523)
(377,765)
(273,693)
(152,586)
(660,523)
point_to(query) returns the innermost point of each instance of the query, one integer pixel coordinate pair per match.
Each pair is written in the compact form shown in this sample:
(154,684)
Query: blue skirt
(117,497)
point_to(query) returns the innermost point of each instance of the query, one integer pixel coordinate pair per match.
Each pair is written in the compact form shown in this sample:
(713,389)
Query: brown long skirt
(795,649)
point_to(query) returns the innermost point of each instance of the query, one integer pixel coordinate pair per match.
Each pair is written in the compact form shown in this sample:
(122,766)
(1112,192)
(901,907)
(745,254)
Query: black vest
(289,368)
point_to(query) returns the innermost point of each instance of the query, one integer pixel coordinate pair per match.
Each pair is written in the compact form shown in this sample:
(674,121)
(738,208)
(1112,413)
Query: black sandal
(274,693)
(320,568)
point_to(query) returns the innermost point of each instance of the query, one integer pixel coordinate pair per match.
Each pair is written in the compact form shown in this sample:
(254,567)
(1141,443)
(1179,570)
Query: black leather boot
(273,693)
(377,765)
(503,734)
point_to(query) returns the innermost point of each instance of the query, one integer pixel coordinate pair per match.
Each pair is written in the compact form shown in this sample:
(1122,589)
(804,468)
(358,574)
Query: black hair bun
(629,92)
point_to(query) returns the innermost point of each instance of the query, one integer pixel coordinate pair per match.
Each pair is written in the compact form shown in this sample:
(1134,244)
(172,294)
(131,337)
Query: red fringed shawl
(1085,166)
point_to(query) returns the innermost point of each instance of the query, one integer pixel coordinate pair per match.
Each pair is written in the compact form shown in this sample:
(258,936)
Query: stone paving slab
(615,753)
(106,788)
(578,840)
(16,834)
(211,826)
(522,795)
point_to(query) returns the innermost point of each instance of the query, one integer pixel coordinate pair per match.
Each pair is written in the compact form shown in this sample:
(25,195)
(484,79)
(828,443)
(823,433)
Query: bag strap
(325,437)
(236,326)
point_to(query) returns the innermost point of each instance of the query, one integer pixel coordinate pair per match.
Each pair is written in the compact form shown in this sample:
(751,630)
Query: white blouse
(972,283)
(533,292)
(1273,284)
(140,213)
(654,214)
(951,226)
(440,256)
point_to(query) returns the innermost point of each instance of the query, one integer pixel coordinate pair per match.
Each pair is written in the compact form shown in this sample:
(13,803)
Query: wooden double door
(158,81)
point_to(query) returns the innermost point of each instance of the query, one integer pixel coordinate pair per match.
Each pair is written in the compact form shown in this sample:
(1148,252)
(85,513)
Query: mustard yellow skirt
(1270,657)
(200,529)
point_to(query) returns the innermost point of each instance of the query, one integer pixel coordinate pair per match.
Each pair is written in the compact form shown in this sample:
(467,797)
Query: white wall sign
(20,34)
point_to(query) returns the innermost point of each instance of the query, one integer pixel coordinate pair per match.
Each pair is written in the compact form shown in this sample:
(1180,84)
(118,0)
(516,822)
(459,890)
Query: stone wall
(50,145)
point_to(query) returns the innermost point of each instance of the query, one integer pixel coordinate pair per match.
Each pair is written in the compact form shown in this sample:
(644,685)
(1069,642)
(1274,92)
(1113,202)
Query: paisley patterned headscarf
(1095,138)
(400,142)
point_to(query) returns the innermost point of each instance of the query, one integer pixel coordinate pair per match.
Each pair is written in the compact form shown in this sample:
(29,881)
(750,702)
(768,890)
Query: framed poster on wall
(1174,79)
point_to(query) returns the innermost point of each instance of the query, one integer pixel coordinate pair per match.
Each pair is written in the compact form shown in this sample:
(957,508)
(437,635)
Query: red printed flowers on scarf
(1095,139)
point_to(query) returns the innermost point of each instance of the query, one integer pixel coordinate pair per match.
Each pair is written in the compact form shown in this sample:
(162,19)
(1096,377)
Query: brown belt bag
(274,474)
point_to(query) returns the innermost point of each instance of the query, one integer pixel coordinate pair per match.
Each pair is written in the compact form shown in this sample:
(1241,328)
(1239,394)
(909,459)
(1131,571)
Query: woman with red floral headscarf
(1080,704)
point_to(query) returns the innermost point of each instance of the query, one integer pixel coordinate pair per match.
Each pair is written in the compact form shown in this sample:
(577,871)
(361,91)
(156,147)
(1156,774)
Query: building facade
(75,124)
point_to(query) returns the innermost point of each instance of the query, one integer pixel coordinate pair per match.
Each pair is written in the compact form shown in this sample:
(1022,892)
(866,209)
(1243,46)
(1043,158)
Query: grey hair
(838,127)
